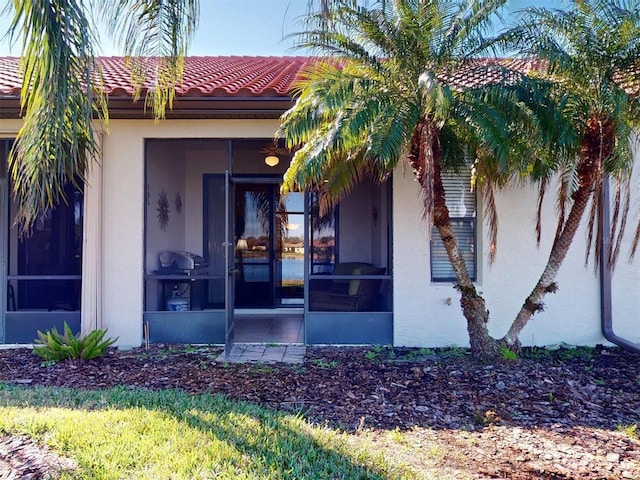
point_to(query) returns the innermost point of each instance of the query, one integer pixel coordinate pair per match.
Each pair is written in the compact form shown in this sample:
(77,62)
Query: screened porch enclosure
(222,242)
(184,281)
(349,286)
(42,275)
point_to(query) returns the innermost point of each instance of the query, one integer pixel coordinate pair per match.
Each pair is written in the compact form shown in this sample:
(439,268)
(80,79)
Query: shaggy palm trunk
(425,160)
(595,147)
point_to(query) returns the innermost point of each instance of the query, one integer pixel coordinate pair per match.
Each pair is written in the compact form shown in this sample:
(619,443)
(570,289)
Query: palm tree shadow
(268,443)
(274,443)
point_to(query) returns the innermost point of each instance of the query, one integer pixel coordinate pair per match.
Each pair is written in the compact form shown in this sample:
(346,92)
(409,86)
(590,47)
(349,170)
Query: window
(461,202)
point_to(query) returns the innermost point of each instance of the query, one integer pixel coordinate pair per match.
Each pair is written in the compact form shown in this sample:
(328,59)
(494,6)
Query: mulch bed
(553,417)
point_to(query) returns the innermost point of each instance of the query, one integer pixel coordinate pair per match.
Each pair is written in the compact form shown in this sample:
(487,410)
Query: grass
(262,369)
(420,353)
(630,431)
(176,350)
(380,353)
(559,352)
(141,434)
(385,353)
(507,354)
(320,363)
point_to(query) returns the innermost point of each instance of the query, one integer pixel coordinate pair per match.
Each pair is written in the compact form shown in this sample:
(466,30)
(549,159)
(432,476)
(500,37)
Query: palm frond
(595,234)
(469,28)
(542,189)
(343,112)
(340,180)
(61,92)
(621,212)
(592,50)
(155,35)
(490,217)
(635,242)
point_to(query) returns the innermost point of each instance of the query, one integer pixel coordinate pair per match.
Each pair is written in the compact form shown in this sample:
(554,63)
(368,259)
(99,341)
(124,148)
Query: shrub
(507,354)
(54,347)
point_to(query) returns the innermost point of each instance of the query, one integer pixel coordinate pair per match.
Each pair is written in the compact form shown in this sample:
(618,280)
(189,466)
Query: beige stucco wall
(422,315)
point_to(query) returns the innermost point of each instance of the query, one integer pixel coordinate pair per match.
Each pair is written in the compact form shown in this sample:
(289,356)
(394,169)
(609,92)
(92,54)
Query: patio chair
(357,295)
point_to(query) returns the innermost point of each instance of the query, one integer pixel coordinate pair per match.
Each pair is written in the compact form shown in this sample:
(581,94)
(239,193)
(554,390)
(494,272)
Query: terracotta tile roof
(270,77)
(248,76)
(203,76)
(478,72)
(10,77)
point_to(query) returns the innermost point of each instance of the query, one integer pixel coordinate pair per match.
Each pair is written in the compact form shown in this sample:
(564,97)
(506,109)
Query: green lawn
(139,434)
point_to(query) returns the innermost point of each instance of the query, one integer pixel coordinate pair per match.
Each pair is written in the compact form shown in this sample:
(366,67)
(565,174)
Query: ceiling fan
(273,152)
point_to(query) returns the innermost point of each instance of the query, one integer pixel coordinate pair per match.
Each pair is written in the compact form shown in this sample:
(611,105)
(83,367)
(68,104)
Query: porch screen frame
(191,326)
(345,327)
(4,227)
(21,326)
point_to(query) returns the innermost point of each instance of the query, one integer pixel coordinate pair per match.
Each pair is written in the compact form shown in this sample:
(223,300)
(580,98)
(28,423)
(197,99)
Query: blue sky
(247,27)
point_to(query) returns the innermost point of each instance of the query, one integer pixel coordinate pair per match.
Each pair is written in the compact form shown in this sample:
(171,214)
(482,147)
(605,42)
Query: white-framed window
(461,202)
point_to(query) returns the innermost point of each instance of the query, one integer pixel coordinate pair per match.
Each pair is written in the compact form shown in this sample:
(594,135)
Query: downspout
(606,310)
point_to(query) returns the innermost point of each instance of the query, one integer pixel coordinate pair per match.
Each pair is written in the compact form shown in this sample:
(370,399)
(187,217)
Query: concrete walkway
(263,353)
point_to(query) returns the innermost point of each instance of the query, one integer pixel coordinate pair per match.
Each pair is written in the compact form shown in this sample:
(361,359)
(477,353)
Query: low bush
(54,347)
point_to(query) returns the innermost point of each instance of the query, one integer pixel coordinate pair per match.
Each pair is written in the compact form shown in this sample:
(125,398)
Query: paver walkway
(262,353)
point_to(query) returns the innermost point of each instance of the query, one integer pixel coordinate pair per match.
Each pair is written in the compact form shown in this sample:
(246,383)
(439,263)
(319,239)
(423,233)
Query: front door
(269,256)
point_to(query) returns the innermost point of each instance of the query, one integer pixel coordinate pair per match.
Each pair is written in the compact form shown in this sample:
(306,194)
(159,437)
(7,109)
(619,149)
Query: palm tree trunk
(588,169)
(425,159)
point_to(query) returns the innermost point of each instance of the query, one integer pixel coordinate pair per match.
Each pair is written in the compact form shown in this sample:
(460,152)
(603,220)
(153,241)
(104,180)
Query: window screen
(461,202)
(324,237)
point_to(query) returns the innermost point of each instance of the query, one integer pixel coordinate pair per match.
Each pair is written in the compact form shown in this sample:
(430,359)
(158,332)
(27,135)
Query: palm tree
(592,53)
(394,92)
(62,92)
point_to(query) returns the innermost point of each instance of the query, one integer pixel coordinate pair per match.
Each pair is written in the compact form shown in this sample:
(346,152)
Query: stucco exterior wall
(423,317)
